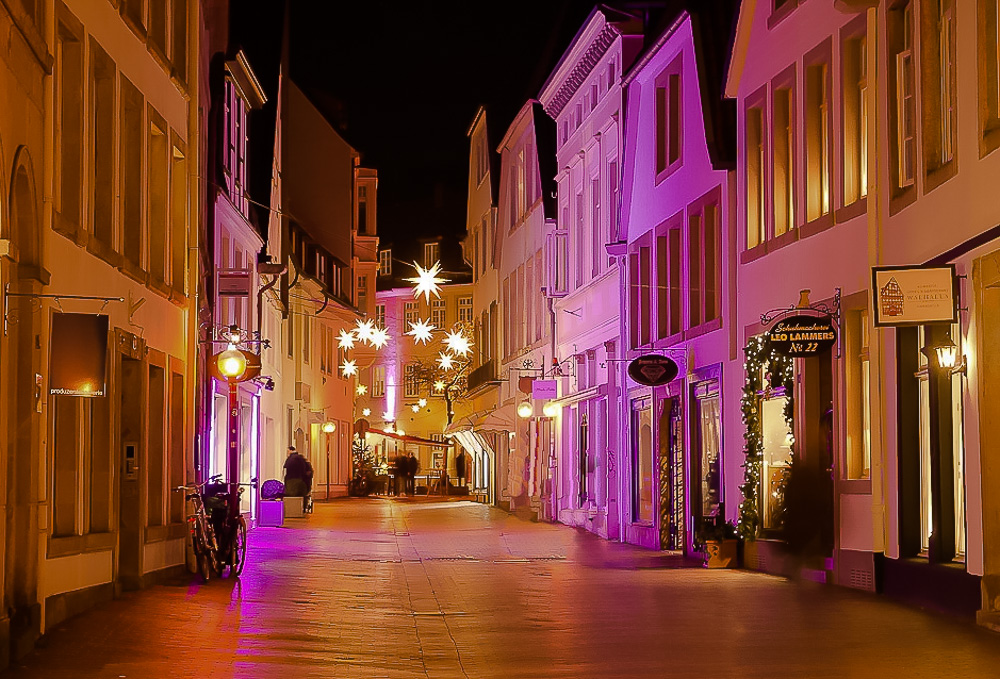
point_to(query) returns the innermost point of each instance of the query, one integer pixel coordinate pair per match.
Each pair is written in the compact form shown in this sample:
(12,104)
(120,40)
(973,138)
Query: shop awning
(488,420)
(415,440)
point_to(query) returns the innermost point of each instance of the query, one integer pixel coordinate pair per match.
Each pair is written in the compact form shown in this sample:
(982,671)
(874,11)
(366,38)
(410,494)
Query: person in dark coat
(400,466)
(413,467)
(460,467)
(298,474)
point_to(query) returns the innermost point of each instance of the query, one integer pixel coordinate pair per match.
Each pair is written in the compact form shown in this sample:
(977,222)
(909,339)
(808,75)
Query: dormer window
(432,254)
(385,262)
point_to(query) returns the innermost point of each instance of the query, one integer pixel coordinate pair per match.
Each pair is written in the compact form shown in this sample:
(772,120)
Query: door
(130,514)
(672,496)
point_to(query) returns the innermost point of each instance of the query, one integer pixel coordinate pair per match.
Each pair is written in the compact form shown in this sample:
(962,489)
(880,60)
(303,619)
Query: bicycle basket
(272,490)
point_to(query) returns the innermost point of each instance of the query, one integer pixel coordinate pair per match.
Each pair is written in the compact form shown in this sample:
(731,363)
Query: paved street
(384,588)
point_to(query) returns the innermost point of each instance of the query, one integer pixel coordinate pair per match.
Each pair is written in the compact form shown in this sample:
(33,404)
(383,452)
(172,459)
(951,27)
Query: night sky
(402,80)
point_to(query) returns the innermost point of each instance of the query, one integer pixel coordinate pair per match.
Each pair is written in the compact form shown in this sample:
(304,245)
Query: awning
(416,440)
(499,419)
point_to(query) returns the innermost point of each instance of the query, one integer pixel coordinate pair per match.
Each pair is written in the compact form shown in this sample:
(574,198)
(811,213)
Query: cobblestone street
(383,588)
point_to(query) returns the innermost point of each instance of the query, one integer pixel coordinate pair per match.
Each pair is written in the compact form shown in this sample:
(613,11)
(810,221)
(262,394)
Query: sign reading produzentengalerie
(914,295)
(78,362)
(802,336)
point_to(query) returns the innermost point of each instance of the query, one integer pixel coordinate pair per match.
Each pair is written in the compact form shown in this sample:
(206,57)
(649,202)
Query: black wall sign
(78,361)
(653,370)
(802,336)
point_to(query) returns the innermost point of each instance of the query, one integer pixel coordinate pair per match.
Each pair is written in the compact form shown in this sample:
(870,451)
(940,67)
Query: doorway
(131,463)
(672,497)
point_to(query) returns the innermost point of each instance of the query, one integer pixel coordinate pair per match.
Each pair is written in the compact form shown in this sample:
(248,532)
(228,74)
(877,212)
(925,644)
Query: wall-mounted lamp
(329,427)
(525,410)
(947,354)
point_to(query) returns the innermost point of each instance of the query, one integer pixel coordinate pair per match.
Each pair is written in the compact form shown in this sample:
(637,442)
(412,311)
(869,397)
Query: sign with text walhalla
(914,295)
(802,336)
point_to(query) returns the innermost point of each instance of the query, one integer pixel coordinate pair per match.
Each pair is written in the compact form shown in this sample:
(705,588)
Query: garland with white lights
(765,370)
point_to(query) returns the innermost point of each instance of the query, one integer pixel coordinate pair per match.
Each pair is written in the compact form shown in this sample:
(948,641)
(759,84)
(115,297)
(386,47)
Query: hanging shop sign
(79,358)
(914,295)
(233,283)
(652,370)
(544,389)
(802,336)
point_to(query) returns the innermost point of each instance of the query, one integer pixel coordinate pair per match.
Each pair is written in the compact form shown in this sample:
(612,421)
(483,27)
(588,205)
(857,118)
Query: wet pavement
(398,588)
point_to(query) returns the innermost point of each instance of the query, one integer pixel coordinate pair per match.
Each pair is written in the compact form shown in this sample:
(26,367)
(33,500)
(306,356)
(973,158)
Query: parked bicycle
(218,528)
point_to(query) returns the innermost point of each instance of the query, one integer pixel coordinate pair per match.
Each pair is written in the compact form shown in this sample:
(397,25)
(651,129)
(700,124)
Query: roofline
(650,52)
(480,112)
(744,26)
(525,109)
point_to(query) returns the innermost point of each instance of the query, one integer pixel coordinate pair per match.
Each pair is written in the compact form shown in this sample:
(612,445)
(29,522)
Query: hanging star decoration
(362,390)
(439,385)
(366,411)
(458,343)
(346,339)
(349,368)
(445,361)
(379,338)
(363,330)
(427,281)
(421,331)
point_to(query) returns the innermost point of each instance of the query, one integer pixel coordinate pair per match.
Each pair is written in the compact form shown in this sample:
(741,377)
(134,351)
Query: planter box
(293,507)
(721,554)
(272,513)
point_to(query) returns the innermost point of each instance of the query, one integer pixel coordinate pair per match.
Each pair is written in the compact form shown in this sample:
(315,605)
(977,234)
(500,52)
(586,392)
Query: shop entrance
(131,467)
(671,456)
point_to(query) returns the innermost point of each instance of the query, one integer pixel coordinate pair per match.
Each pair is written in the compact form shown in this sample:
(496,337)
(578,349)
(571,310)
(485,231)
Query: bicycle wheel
(239,549)
(201,555)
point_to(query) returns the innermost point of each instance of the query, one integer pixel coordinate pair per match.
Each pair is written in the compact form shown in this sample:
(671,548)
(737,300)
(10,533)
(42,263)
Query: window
(642,462)
(411,313)
(156,446)
(362,292)
(593,96)
(557,263)
(645,290)
(817,131)
(755,176)
(668,117)
(579,236)
(855,101)
(668,282)
(385,262)
(69,127)
(988,27)
(179,54)
(411,387)
(158,192)
(536,293)
(158,23)
(946,78)
(81,465)
(903,108)
(613,200)
(306,338)
(597,241)
(104,113)
(438,315)
(859,444)
(583,441)
(291,333)
(135,11)
(708,416)
(777,454)
(178,219)
(131,172)
(937,42)
(378,381)
(704,269)
(432,254)
(784,159)
(380,315)
(465,310)
(362,210)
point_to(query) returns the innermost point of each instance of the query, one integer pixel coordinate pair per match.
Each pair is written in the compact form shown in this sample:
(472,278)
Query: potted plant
(719,542)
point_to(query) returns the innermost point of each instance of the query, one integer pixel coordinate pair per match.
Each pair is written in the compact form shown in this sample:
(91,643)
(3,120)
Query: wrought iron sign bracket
(673,353)
(831,310)
(7,294)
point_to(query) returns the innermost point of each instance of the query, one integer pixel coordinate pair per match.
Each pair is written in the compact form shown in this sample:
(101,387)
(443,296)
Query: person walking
(460,468)
(413,467)
(298,474)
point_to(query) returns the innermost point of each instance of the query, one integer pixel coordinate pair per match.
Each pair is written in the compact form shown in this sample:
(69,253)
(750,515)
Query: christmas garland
(765,370)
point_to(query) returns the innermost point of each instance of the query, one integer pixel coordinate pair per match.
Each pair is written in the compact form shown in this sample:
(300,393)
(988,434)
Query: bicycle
(202,532)
(218,528)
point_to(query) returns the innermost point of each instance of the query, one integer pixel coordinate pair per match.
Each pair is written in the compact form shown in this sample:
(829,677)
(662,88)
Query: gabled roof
(741,43)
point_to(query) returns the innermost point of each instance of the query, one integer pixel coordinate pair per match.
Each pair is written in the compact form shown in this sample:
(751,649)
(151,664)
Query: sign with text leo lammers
(914,295)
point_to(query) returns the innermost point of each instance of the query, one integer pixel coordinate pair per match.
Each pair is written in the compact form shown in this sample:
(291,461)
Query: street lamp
(551,409)
(232,367)
(232,363)
(524,410)
(947,354)
(328,428)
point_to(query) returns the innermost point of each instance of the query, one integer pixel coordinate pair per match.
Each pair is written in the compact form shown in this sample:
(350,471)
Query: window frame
(669,117)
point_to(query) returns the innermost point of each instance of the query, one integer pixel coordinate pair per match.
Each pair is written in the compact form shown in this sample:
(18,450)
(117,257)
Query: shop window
(854,59)
(131,174)
(755,168)
(859,444)
(784,159)
(776,439)
(817,140)
(155,446)
(642,462)
(708,416)
(81,465)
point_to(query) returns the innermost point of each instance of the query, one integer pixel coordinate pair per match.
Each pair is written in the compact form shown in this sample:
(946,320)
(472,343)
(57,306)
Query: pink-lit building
(525,220)
(677,247)
(583,95)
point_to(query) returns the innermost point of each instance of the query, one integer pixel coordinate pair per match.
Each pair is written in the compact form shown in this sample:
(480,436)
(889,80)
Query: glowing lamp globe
(232,363)
(947,355)
(329,427)
(524,410)
(550,409)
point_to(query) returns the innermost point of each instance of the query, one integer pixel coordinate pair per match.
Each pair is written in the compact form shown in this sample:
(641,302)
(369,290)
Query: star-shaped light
(415,408)
(458,343)
(422,402)
(387,416)
(446,361)
(379,338)
(427,281)
(421,331)
(349,368)
(366,411)
(363,331)
(362,390)
(439,385)
(346,339)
